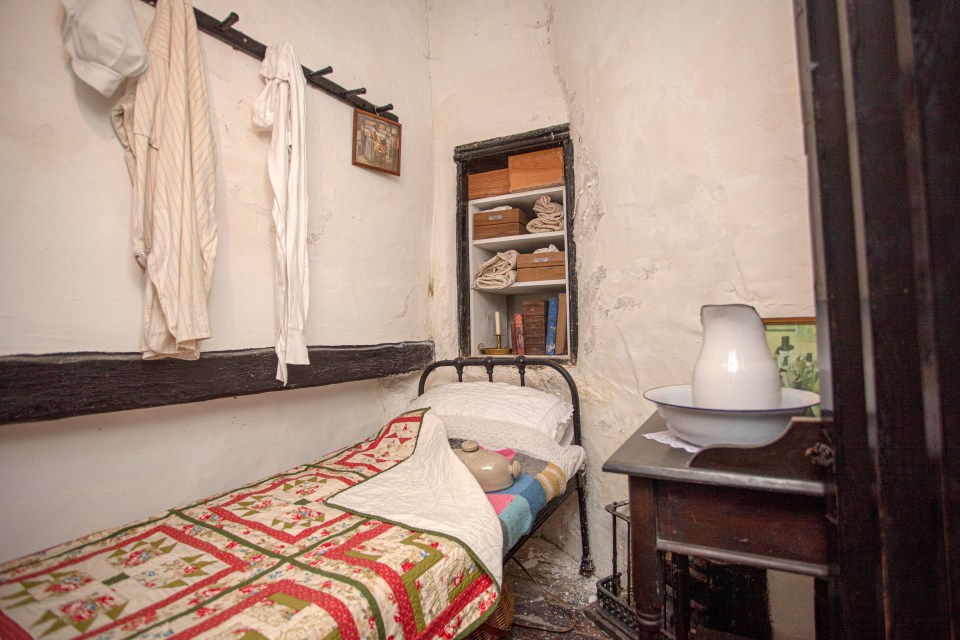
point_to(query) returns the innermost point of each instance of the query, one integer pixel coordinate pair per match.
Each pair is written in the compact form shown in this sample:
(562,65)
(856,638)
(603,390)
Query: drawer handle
(497,217)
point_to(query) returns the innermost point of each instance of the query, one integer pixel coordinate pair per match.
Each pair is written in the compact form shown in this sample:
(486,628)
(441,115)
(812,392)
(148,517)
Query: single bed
(391,537)
(575,479)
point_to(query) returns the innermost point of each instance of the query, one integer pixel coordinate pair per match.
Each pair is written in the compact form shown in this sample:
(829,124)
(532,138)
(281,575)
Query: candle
(497,317)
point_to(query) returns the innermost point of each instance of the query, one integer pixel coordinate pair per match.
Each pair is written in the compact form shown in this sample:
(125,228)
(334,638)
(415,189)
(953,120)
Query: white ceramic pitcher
(735,369)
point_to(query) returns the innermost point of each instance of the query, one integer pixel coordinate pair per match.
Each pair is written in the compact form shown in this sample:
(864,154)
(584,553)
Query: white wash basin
(703,426)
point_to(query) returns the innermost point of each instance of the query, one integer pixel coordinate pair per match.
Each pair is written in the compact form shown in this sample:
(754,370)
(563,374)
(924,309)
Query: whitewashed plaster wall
(691,182)
(691,188)
(70,282)
(492,75)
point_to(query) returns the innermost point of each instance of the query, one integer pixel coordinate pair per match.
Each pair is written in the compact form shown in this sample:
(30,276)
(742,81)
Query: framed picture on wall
(793,343)
(376,142)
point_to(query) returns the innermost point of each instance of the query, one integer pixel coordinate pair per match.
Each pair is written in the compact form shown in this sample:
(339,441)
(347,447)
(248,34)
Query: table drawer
(743,526)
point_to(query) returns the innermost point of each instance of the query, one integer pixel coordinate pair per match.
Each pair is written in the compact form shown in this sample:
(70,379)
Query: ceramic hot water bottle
(492,470)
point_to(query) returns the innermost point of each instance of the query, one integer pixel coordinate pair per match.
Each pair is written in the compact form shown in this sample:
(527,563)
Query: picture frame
(793,345)
(376,142)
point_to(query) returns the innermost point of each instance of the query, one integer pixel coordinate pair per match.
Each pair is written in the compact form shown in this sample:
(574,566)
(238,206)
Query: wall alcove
(476,308)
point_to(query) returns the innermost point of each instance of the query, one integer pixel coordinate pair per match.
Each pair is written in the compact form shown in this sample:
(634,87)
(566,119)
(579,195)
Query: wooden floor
(552,599)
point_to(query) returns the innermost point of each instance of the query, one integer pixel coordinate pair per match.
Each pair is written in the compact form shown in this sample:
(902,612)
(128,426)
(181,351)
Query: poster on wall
(793,344)
(376,142)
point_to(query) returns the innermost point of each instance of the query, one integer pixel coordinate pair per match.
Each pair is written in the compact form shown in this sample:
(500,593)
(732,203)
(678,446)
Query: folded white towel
(500,263)
(496,282)
(550,249)
(549,216)
(498,272)
(545,205)
(540,225)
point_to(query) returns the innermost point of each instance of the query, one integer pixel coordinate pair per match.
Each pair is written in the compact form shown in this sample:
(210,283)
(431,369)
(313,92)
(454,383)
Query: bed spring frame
(577,483)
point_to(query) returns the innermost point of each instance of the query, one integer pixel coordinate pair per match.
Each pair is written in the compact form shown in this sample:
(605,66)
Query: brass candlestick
(499,350)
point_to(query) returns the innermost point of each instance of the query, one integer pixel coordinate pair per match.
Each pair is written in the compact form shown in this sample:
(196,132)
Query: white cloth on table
(163,123)
(280,106)
(549,216)
(498,272)
(667,438)
(104,42)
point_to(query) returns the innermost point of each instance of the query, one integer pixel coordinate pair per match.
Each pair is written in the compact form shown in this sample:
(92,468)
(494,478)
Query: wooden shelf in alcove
(520,288)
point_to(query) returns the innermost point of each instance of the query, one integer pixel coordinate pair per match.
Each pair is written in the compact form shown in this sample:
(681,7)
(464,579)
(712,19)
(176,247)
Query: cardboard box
(536,170)
(489,183)
(541,273)
(483,232)
(544,259)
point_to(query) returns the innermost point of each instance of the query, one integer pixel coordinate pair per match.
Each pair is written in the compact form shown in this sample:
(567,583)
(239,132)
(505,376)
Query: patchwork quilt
(273,559)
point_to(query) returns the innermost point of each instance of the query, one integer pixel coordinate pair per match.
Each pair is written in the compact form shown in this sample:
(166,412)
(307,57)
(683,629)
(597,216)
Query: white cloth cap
(104,42)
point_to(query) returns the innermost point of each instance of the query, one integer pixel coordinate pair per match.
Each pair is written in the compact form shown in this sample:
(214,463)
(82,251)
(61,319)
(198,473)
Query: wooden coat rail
(223,30)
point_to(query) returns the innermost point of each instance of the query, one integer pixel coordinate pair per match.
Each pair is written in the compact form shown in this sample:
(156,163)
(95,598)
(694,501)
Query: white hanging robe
(163,123)
(280,107)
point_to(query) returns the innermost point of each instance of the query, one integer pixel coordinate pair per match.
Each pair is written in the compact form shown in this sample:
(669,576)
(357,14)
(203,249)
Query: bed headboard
(520,363)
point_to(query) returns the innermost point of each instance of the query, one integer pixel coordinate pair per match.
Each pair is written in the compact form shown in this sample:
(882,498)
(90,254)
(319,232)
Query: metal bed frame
(577,483)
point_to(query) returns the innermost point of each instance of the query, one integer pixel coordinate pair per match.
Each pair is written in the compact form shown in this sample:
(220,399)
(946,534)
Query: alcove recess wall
(475,308)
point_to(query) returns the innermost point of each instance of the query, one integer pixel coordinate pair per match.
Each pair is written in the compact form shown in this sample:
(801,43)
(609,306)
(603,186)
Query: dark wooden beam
(62,385)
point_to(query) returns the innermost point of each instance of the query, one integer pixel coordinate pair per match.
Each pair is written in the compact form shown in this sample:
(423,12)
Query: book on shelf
(534,327)
(561,323)
(516,330)
(551,328)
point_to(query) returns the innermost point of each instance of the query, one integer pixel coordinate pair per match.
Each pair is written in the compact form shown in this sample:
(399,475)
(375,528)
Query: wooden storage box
(539,260)
(489,183)
(533,274)
(536,170)
(496,224)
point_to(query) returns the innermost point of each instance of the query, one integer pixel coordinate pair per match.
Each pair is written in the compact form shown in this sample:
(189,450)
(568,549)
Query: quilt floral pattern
(268,560)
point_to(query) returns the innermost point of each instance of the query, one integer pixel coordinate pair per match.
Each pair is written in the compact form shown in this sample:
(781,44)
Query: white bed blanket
(433,490)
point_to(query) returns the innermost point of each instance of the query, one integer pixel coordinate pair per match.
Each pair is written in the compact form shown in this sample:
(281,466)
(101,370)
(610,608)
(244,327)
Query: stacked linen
(498,272)
(549,216)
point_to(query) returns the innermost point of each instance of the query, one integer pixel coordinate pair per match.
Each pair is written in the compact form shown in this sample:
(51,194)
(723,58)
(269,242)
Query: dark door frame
(882,113)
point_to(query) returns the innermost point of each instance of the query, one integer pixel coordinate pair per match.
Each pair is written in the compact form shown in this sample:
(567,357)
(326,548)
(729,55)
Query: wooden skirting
(53,386)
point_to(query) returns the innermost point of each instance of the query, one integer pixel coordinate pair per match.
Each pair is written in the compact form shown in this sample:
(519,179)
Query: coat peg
(355,92)
(384,108)
(313,75)
(231,20)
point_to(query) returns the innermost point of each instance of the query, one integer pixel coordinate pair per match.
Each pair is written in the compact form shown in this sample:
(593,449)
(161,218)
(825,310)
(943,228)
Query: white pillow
(507,403)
